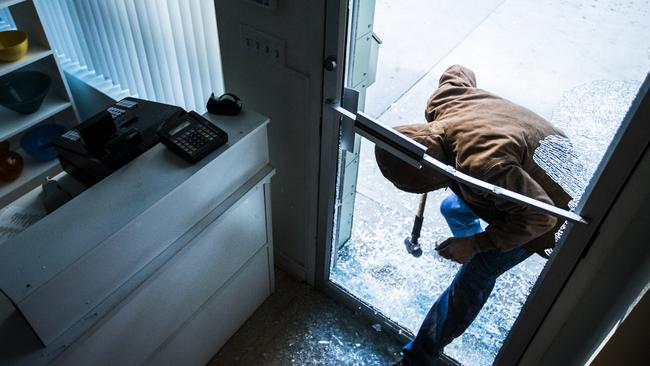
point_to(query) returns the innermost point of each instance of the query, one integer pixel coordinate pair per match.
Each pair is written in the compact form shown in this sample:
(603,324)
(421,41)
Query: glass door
(383,61)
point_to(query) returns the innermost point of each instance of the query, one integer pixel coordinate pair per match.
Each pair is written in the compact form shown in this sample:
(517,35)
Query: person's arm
(520,224)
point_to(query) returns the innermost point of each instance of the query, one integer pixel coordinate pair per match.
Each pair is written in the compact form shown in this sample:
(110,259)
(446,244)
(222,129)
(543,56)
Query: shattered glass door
(578,64)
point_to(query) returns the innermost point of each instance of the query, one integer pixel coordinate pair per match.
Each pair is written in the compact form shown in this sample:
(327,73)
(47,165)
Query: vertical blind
(6,22)
(161,50)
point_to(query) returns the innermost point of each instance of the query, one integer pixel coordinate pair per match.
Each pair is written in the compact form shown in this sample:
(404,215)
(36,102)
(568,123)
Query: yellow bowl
(13,45)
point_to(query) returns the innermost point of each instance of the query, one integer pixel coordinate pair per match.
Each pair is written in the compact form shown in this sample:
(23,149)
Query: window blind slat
(149,51)
(181,54)
(154,7)
(166,39)
(139,48)
(201,52)
(45,13)
(81,37)
(164,50)
(56,18)
(212,46)
(52,24)
(123,48)
(136,71)
(188,34)
(98,42)
(6,21)
(110,54)
(93,63)
(112,38)
(69,26)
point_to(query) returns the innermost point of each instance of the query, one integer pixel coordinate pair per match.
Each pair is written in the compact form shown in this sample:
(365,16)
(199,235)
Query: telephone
(191,136)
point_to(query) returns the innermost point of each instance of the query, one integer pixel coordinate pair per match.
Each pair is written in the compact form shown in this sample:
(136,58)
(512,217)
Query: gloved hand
(460,250)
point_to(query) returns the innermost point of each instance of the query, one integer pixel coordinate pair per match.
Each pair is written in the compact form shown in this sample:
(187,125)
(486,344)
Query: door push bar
(414,154)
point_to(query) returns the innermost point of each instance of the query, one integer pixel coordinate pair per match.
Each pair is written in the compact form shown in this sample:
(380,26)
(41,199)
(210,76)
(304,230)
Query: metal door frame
(336,19)
(621,157)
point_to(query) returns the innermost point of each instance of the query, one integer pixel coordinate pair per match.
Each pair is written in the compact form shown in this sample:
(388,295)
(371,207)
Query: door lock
(330,63)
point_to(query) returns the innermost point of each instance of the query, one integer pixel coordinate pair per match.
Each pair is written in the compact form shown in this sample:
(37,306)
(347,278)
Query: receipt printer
(107,141)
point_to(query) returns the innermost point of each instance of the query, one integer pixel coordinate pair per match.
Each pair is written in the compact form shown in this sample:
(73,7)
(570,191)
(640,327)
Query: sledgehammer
(411,243)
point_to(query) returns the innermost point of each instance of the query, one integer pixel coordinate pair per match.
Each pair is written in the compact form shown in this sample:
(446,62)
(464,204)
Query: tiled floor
(297,325)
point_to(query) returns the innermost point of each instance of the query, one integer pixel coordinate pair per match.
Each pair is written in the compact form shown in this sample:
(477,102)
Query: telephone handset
(191,136)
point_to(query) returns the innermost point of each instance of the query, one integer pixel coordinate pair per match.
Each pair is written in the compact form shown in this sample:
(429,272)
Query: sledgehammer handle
(419,218)
(423,203)
(417,227)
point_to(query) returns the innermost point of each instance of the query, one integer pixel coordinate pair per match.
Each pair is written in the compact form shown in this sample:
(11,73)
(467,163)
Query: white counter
(124,267)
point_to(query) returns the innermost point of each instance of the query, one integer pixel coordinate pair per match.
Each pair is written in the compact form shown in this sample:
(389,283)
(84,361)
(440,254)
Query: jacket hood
(459,76)
(406,177)
(455,81)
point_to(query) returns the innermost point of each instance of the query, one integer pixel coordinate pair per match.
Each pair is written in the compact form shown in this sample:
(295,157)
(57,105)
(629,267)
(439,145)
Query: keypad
(72,135)
(195,138)
(120,108)
(116,112)
(192,137)
(128,104)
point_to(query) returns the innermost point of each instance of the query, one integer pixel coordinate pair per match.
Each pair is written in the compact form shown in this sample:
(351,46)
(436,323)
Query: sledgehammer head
(413,248)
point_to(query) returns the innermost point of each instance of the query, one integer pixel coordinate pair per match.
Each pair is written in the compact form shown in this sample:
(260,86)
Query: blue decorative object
(37,142)
(24,91)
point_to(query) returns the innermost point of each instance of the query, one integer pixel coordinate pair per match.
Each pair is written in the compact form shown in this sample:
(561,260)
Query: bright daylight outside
(577,63)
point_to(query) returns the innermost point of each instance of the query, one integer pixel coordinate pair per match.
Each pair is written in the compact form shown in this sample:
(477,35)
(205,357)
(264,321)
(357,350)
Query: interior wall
(628,344)
(290,95)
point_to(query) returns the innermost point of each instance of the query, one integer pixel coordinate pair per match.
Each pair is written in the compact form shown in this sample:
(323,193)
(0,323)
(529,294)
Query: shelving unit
(34,54)
(16,123)
(57,107)
(33,175)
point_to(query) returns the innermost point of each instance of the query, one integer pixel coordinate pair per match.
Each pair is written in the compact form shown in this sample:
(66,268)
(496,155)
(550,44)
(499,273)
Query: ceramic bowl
(13,45)
(11,163)
(24,91)
(37,142)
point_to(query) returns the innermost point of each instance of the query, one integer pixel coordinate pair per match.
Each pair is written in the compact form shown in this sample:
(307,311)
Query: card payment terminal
(192,137)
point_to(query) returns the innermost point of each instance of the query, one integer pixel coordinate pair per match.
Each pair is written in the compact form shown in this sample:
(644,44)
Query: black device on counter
(107,141)
(192,137)
(227,104)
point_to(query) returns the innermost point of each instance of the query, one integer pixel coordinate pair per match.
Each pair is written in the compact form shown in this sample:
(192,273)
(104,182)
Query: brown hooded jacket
(491,139)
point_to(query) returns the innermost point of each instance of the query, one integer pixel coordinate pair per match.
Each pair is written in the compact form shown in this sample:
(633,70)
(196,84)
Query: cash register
(110,139)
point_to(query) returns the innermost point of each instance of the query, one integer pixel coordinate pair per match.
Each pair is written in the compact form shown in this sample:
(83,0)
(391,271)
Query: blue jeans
(461,302)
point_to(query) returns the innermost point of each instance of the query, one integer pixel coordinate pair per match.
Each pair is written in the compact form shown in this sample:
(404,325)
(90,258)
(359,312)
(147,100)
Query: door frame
(335,48)
(620,161)
(336,20)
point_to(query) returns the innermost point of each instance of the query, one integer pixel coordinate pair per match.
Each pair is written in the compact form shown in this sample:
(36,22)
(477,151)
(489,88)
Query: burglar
(497,141)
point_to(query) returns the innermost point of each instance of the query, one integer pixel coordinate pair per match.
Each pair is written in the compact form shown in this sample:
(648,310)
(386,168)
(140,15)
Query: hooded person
(497,141)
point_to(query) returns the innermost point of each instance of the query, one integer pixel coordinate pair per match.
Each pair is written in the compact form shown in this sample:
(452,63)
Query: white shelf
(7,3)
(41,58)
(34,53)
(33,175)
(12,123)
